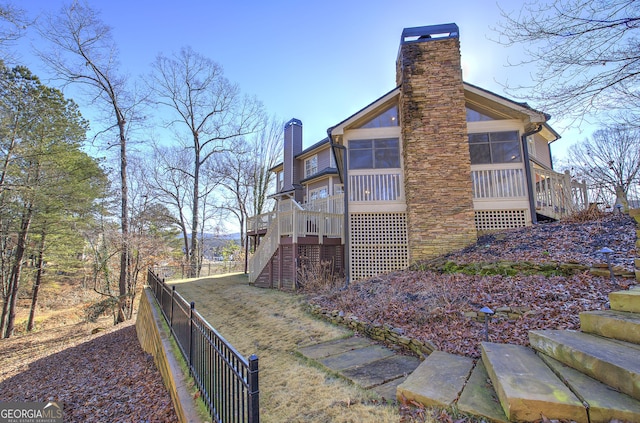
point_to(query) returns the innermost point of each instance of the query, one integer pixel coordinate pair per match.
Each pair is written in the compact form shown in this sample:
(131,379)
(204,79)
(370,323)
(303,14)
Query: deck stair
(592,375)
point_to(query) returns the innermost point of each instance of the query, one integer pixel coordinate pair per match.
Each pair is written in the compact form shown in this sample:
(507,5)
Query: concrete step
(614,324)
(437,381)
(625,300)
(478,397)
(612,362)
(526,387)
(604,403)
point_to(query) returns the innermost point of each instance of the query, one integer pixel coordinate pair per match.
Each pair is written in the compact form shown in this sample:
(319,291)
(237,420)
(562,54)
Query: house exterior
(415,174)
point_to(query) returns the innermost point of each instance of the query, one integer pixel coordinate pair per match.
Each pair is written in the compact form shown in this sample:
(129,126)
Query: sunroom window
(374,154)
(495,147)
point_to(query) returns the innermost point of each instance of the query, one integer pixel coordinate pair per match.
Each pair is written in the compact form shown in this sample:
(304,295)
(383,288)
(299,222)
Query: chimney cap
(429,33)
(293,121)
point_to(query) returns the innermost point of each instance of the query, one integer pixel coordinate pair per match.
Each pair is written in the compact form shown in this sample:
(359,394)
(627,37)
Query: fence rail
(228,381)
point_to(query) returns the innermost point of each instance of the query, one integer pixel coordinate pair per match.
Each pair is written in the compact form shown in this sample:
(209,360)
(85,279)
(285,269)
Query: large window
(495,147)
(389,117)
(374,154)
(311,166)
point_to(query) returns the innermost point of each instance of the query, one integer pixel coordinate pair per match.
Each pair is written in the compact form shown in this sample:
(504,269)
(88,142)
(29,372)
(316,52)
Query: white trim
(340,128)
(534,116)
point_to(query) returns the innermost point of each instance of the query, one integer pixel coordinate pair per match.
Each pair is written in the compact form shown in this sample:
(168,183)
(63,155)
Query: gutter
(527,172)
(342,173)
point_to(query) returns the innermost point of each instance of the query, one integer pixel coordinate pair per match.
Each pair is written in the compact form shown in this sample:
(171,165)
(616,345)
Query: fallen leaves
(99,378)
(431,306)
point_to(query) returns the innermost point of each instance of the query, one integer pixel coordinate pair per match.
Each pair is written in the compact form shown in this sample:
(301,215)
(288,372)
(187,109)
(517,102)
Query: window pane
(387,118)
(504,136)
(359,144)
(478,138)
(386,143)
(505,152)
(360,159)
(387,158)
(480,153)
(475,116)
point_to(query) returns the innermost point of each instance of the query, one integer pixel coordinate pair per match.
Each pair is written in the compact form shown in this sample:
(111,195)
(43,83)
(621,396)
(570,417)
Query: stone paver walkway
(365,363)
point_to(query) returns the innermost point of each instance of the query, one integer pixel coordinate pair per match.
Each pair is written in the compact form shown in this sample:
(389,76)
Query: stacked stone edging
(379,332)
(513,268)
(635,213)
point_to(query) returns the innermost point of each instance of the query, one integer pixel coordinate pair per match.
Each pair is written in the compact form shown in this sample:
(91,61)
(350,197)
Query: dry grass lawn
(273,325)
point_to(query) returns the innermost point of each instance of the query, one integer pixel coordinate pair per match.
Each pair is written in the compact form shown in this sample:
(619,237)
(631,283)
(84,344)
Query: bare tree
(609,161)
(168,175)
(584,56)
(210,111)
(85,54)
(245,172)
(13,22)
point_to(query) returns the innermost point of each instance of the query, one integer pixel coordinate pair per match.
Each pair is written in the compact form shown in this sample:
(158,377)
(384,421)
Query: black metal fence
(228,382)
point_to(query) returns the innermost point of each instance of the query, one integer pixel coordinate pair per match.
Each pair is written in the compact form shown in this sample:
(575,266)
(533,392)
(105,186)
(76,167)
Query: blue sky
(315,61)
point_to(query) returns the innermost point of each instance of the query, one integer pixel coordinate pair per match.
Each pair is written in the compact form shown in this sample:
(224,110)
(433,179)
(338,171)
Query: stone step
(604,403)
(478,397)
(625,300)
(612,362)
(526,387)
(437,381)
(614,324)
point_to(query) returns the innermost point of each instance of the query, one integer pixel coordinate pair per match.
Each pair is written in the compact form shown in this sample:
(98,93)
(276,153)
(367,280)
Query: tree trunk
(5,308)
(194,259)
(124,219)
(36,285)
(17,268)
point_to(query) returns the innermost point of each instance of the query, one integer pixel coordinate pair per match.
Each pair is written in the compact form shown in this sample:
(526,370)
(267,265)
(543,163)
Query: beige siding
(542,151)
(319,184)
(323,159)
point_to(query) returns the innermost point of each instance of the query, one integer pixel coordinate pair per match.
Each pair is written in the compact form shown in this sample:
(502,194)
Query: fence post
(192,306)
(254,392)
(173,291)
(161,289)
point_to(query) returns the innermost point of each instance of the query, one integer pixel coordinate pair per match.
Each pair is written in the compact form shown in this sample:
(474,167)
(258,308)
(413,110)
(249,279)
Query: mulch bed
(99,378)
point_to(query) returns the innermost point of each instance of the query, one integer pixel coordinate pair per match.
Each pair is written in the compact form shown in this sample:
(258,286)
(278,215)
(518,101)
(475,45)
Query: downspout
(345,186)
(527,172)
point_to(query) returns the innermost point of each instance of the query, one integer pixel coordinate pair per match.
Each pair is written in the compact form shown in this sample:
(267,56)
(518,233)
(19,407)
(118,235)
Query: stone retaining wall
(154,339)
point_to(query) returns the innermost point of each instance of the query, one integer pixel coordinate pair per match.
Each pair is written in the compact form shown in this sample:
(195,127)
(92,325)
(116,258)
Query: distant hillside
(213,243)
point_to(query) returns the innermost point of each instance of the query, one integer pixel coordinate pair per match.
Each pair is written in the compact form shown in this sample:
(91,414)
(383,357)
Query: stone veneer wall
(436,157)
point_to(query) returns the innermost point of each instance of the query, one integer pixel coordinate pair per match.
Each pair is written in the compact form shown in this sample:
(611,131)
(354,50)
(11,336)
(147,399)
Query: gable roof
(338,129)
(473,94)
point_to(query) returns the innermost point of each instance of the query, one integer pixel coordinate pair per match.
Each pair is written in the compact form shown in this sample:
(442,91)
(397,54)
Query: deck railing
(333,204)
(556,194)
(264,251)
(299,223)
(296,221)
(376,187)
(227,381)
(498,183)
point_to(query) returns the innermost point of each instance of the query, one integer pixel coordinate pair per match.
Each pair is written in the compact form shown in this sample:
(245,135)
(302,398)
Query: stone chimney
(292,147)
(440,214)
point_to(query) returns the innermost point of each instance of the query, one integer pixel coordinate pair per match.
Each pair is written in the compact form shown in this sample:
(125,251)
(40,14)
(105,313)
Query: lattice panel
(378,244)
(309,254)
(492,220)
